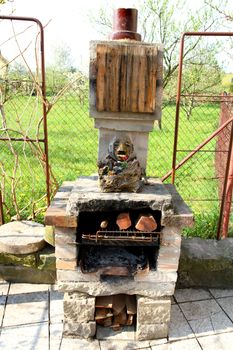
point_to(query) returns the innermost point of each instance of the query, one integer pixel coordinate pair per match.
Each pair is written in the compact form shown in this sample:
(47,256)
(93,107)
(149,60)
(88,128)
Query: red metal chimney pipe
(125,25)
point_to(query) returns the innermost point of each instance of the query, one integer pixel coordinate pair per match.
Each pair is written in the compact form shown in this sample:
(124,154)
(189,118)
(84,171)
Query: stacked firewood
(115,311)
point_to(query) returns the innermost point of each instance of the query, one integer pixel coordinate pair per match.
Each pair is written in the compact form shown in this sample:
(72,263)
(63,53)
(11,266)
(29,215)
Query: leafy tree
(163,21)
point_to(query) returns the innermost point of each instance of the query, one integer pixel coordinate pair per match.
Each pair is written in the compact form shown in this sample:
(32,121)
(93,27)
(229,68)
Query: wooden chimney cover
(126,78)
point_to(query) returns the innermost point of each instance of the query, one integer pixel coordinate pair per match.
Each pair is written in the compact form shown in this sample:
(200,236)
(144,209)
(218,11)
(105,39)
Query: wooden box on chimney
(125,77)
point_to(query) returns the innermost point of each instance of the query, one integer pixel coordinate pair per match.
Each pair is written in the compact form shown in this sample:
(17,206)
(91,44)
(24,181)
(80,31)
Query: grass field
(73,144)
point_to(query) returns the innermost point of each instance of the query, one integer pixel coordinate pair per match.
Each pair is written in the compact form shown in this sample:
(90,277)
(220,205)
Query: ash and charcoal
(134,259)
(120,171)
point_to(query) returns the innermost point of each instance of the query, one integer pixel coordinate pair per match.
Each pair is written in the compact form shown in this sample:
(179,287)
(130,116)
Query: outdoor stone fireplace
(117,235)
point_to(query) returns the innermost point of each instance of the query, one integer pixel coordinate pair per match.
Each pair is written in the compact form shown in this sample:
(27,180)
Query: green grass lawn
(73,144)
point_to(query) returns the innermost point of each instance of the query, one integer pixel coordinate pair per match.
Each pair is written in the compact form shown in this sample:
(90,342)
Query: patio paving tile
(221,293)
(34,336)
(123,345)
(29,308)
(206,317)
(179,327)
(186,344)
(20,288)
(227,305)
(79,344)
(222,341)
(4,286)
(56,307)
(191,294)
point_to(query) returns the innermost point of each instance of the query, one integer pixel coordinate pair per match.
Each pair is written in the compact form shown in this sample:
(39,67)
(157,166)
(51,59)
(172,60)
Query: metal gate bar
(228,182)
(44,103)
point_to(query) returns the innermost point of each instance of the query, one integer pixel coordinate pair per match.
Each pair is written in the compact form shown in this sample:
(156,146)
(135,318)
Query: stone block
(152,331)
(23,274)
(12,259)
(122,285)
(66,232)
(79,330)
(77,276)
(170,237)
(155,276)
(78,308)
(153,311)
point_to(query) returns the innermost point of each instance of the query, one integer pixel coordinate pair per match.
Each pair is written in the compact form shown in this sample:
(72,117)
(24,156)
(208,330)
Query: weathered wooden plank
(101,75)
(126,78)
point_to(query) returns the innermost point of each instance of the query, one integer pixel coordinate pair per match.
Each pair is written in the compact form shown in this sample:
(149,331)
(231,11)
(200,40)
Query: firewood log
(123,221)
(146,223)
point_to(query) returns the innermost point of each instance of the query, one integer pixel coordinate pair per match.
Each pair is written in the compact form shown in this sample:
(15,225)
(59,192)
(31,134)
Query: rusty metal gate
(215,185)
(20,143)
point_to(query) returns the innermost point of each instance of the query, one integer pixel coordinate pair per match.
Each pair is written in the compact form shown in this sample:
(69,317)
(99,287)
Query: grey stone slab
(23,288)
(186,344)
(206,317)
(29,308)
(126,333)
(221,293)
(206,263)
(86,195)
(179,327)
(79,344)
(222,341)
(190,294)
(24,274)
(227,305)
(123,345)
(33,336)
(22,237)
(56,307)
(111,286)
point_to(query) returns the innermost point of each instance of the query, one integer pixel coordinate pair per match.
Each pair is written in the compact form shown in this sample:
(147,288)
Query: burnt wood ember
(95,258)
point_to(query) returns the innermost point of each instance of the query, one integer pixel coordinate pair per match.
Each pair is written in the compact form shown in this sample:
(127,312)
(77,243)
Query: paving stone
(222,341)
(79,344)
(34,336)
(190,294)
(21,237)
(157,341)
(4,287)
(179,327)
(55,335)
(20,288)
(126,333)
(227,305)
(221,293)
(123,345)
(206,317)
(56,307)
(187,344)
(29,308)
